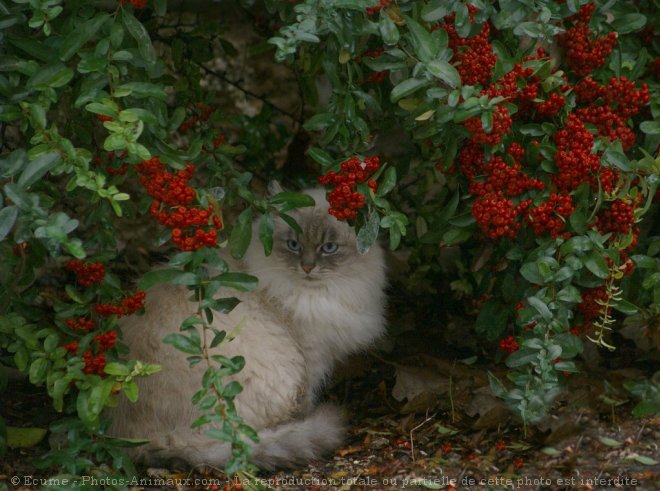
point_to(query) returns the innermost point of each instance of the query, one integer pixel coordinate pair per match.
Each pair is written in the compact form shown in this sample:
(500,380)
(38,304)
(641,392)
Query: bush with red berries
(523,144)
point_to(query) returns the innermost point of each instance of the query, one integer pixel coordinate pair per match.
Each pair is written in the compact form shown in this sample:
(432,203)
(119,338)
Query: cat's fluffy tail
(288,445)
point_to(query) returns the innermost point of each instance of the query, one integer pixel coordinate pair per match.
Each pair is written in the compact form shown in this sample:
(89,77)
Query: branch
(224,78)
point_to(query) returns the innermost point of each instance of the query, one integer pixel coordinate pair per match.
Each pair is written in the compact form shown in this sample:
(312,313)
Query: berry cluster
(509,344)
(608,124)
(94,364)
(111,166)
(192,227)
(573,158)
(590,308)
(497,215)
(584,54)
(609,107)
(494,209)
(618,218)
(371,11)
(72,347)
(550,107)
(473,56)
(205,113)
(344,199)
(86,274)
(550,217)
(81,324)
(138,4)
(376,77)
(127,306)
(501,126)
(105,341)
(609,179)
(504,179)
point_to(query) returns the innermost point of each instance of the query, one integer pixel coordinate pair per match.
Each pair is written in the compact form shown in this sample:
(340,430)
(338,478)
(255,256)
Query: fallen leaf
(24,437)
(610,442)
(343,452)
(642,459)
(413,381)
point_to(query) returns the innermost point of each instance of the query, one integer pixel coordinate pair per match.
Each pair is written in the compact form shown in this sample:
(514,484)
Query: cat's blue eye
(329,247)
(293,245)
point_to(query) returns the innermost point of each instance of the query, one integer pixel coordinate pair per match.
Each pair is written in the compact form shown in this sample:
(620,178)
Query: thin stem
(248,92)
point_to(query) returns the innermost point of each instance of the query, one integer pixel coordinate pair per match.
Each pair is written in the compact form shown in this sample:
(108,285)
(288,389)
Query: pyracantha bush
(522,139)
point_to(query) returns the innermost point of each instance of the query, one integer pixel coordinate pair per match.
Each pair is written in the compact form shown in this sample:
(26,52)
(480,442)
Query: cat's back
(274,363)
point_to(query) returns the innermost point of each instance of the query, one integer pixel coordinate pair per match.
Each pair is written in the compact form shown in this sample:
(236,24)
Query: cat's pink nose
(307,268)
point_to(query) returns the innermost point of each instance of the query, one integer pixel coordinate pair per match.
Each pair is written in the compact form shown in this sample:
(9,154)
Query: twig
(248,92)
(412,440)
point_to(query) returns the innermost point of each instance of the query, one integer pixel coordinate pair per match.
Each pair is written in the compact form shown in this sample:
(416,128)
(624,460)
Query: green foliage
(88,93)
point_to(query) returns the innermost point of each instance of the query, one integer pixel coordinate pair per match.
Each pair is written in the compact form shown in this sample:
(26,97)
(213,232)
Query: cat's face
(324,253)
(324,248)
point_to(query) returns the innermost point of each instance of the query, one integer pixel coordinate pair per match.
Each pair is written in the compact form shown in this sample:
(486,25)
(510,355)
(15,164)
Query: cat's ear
(274,187)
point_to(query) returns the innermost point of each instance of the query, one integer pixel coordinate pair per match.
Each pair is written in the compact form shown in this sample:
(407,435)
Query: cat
(317,301)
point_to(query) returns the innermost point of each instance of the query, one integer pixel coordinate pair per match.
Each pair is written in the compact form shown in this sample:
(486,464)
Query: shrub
(528,136)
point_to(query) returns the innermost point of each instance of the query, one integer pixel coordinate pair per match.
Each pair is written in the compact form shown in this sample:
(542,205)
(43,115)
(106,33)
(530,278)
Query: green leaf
(319,122)
(530,271)
(38,371)
(407,87)
(141,36)
(569,294)
(82,33)
(368,234)
(241,235)
(456,235)
(35,48)
(595,263)
(445,72)
(8,217)
(291,222)
(131,391)
(290,200)
(24,437)
(387,183)
(232,389)
(50,76)
(650,127)
(421,40)
(9,113)
(626,307)
(388,29)
(320,156)
(578,244)
(158,276)
(435,10)
(541,307)
(646,408)
(522,357)
(266,227)
(629,23)
(37,168)
(144,89)
(183,343)
(13,163)
(98,396)
(115,368)
(492,320)
(238,281)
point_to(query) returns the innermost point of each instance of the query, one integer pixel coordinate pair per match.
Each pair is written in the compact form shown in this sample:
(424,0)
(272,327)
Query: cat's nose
(307,268)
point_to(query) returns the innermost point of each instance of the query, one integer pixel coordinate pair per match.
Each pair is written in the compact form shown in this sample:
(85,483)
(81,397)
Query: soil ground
(462,440)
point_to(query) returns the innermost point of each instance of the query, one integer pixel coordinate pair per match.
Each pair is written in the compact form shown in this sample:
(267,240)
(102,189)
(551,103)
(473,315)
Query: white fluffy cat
(318,300)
